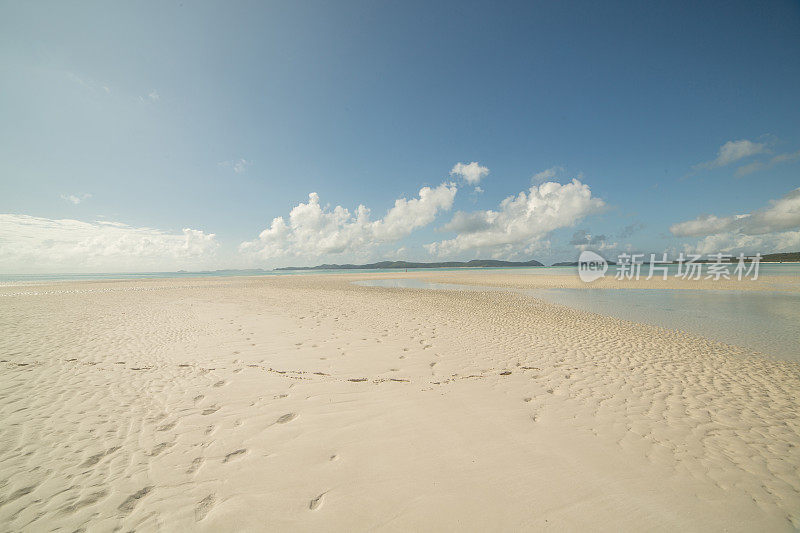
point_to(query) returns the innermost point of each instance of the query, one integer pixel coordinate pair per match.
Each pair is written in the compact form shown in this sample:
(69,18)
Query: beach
(306,402)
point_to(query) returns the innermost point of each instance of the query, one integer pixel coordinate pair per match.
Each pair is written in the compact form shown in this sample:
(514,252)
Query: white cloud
(749,168)
(779,215)
(521,221)
(92,86)
(775,160)
(75,198)
(732,242)
(314,231)
(785,158)
(546,174)
(733,151)
(467,222)
(239,166)
(702,225)
(472,172)
(46,245)
(766,227)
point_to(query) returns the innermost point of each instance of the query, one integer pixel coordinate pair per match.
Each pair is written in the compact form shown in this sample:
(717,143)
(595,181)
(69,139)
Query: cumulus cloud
(41,244)
(313,231)
(472,172)
(766,228)
(733,151)
(546,174)
(521,222)
(75,198)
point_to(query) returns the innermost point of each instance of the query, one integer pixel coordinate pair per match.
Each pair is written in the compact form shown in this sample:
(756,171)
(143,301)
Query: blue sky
(132,132)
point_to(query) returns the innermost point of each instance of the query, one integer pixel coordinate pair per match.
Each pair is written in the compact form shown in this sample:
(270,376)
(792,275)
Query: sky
(156,136)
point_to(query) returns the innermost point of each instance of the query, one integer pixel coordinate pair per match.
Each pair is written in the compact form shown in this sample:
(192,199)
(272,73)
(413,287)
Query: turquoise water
(766,270)
(767,322)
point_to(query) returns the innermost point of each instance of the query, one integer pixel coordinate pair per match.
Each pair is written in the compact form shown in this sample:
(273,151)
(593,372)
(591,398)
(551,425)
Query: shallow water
(767,322)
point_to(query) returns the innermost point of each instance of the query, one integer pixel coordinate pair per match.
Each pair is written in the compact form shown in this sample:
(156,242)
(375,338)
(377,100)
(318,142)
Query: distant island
(791,257)
(475,263)
(788,257)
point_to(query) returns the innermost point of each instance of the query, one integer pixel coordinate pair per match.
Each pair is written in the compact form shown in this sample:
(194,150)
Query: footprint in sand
(94,459)
(204,506)
(158,448)
(286,418)
(166,427)
(316,503)
(210,410)
(130,502)
(197,462)
(219,383)
(89,500)
(238,454)
(19,493)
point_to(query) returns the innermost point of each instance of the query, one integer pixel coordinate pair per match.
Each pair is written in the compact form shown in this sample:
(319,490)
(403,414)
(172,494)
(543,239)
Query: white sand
(307,403)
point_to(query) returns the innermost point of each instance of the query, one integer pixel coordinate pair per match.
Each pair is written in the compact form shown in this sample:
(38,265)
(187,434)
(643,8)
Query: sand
(302,403)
